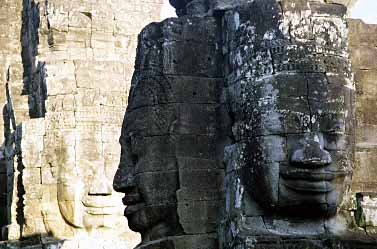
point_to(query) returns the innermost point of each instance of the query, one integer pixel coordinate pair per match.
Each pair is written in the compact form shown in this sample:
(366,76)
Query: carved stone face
(149,186)
(147,173)
(85,196)
(299,149)
(291,98)
(85,205)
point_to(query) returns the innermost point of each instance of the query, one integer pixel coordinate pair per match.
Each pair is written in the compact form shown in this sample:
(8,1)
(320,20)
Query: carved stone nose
(312,155)
(100,185)
(123,180)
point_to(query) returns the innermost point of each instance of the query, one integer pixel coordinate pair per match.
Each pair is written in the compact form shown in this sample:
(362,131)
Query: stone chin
(295,199)
(290,189)
(153,222)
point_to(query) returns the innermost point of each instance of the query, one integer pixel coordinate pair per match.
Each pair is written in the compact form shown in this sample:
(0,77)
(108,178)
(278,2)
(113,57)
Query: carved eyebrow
(337,128)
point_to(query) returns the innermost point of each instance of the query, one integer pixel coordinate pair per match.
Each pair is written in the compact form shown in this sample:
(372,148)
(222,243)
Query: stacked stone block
(71,66)
(363,48)
(171,129)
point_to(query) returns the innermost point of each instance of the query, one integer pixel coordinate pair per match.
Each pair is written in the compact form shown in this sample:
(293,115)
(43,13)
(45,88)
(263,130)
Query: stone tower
(70,63)
(245,128)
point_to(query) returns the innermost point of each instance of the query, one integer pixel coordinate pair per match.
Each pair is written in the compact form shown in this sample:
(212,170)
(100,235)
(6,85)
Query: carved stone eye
(335,140)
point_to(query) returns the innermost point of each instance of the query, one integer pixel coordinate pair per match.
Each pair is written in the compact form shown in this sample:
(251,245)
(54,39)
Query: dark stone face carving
(147,172)
(147,175)
(169,168)
(149,193)
(298,152)
(283,119)
(291,99)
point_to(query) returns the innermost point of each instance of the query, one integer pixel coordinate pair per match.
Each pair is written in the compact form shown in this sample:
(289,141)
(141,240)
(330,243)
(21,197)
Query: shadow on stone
(40,241)
(34,76)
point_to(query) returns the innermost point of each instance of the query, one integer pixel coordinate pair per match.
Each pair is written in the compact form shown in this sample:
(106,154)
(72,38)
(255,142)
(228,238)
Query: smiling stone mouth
(101,211)
(310,181)
(134,203)
(133,208)
(131,198)
(309,175)
(314,177)
(309,186)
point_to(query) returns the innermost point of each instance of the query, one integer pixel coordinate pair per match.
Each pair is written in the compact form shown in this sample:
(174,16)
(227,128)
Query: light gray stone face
(71,65)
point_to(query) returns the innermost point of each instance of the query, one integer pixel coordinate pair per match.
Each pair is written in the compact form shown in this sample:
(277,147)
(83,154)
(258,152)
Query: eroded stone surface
(177,126)
(71,65)
(286,113)
(169,168)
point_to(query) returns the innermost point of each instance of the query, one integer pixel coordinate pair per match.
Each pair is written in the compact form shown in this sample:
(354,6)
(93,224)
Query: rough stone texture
(71,65)
(200,7)
(8,151)
(285,125)
(363,48)
(169,169)
(292,99)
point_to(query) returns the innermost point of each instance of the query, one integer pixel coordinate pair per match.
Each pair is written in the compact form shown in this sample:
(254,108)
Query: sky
(168,10)
(363,9)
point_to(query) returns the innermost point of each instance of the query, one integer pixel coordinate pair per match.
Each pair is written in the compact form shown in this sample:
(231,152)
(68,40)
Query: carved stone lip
(101,211)
(131,198)
(133,208)
(308,185)
(308,176)
(322,174)
(102,202)
(133,202)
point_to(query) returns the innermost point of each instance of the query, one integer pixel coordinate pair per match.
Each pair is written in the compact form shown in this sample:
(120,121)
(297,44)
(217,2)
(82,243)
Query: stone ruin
(249,124)
(243,128)
(71,64)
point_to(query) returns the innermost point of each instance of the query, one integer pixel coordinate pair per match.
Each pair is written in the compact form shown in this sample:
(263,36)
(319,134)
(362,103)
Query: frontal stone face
(290,92)
(292,105)
(254,97)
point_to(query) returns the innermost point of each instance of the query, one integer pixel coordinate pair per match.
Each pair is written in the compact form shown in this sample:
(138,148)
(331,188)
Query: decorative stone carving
(291,96)
(71,66)
(169,168)
(284,126)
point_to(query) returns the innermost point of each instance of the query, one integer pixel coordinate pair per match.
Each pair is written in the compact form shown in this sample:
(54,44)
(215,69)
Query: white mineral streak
(273,117)
(239,194)
(236,20)
(269,35)
(369,211)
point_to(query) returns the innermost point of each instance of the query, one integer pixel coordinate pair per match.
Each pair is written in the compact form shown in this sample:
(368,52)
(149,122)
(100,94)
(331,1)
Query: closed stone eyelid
(335,132)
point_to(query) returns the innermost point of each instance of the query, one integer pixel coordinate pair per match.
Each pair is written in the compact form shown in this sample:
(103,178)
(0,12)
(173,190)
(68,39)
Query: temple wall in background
(363,50)
(71,64)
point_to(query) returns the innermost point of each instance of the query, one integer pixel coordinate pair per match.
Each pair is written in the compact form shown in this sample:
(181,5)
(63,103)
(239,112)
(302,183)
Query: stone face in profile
(147,173)
(262,88)
(168,168)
